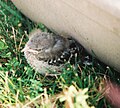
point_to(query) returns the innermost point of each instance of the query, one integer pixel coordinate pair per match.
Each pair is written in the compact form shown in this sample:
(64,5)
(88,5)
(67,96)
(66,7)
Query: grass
(21,86)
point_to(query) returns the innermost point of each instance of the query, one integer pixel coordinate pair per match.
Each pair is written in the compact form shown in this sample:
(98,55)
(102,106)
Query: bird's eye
(39,49)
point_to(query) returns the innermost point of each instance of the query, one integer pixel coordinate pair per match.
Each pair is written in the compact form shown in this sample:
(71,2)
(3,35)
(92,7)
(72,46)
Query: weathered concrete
(94,23)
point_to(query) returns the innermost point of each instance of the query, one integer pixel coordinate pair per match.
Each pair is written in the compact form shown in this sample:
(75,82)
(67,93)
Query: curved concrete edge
(96,29)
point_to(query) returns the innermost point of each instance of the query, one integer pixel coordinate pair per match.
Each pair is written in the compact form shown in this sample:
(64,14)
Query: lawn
(80,85)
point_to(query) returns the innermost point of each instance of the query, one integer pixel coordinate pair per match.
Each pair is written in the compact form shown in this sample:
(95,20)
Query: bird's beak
(29,50)
(25,49)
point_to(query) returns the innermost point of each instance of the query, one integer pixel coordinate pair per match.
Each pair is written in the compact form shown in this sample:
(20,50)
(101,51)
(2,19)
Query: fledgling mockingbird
(46,51)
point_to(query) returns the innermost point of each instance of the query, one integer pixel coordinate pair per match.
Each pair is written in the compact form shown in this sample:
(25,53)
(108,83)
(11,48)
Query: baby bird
(44,50)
